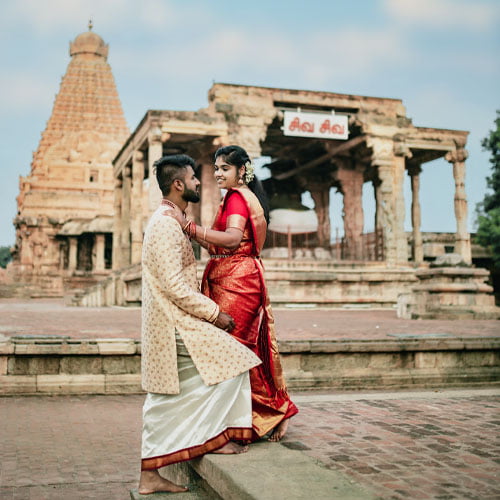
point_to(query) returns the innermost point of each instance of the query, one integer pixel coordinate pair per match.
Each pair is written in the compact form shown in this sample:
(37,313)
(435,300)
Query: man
(195,374)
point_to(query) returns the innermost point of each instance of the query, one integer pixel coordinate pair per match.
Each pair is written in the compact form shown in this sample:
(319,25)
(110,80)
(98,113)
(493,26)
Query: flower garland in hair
(249,172)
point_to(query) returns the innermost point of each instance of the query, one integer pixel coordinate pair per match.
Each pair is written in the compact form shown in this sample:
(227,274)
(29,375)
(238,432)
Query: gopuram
(316,141)
(65,205)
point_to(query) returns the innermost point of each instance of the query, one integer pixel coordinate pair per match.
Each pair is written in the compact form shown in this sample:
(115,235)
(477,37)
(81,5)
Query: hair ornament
(249,172)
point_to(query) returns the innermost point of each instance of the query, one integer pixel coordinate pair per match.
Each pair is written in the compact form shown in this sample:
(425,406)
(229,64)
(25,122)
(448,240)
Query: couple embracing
(210,360)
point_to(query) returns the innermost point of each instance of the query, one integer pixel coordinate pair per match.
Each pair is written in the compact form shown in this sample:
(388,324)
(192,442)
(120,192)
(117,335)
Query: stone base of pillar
(449,293)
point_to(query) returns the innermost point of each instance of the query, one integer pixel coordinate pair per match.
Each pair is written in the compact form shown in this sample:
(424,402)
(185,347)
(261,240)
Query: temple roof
(88,43)
(87,102)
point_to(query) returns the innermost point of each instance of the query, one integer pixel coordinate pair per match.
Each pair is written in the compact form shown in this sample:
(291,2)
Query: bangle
(204,234)
(190,229)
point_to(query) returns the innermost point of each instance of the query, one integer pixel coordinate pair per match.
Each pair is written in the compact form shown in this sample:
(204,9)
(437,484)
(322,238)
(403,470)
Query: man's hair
(171,167)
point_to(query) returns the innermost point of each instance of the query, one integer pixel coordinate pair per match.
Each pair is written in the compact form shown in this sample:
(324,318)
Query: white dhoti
(198,420)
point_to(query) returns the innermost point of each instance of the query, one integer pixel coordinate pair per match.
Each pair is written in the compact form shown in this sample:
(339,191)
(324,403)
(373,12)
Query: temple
(83,209)
(379,145)
(65,205)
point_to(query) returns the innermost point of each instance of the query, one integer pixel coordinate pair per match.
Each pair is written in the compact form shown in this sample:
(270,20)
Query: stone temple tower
(65,205)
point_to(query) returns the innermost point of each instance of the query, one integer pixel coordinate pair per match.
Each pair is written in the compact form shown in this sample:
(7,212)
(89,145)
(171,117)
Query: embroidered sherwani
(201,367)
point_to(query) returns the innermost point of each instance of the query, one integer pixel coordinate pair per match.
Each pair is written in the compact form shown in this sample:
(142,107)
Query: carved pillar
(136,201)
(320,194)
(99,246)
(125,217)
(73,250)
(418,251)
(155,152)
(117,235)
(390,198)
(462,238)
(402,153)
(351,182)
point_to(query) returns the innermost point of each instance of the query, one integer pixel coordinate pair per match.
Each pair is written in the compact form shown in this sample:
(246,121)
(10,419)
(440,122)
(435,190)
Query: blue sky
(441,57)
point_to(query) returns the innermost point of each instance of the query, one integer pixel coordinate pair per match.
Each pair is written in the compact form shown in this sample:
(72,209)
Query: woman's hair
(169,168)
(234,155)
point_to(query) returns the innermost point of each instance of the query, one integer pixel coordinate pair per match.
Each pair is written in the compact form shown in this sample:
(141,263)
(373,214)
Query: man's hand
(224,322)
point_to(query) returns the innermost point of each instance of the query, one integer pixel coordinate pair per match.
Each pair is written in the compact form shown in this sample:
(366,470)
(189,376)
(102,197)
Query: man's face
(191,186)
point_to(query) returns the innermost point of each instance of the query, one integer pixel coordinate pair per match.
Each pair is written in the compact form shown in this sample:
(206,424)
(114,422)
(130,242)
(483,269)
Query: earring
(240,181)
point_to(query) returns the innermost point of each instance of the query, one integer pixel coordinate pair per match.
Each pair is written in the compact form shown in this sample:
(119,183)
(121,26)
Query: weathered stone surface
(74,365)
(17,384)
(121,364)
(70,384)
(116,346)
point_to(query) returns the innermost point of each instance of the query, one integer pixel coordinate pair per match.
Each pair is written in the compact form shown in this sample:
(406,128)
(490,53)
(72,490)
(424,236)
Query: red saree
(235,280)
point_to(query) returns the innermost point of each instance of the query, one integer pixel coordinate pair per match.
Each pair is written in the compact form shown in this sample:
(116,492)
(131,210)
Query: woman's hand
(177,214)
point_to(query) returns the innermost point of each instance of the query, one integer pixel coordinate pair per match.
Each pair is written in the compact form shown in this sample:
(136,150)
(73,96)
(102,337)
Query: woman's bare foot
(231,448)
(279,430)
(151,482)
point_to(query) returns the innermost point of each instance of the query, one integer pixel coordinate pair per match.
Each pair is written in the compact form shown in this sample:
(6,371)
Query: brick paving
(52,317)
(407,445)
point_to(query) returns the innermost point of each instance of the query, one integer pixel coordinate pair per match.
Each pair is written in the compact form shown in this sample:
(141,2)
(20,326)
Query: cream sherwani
(171,301)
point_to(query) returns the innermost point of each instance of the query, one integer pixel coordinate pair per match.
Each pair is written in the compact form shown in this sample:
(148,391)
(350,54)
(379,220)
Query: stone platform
(48,348)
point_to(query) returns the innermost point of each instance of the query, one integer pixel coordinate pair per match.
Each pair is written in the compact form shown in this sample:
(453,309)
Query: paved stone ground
(52,317)
(406,445)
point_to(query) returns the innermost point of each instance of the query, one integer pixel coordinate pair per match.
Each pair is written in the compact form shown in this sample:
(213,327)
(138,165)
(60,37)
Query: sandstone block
(23,384)
(116,346)
(123,384)
(70,384)
(74,365)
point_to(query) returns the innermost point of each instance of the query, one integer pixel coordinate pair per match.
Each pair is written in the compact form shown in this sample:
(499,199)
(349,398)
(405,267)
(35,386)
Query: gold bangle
(204,234)
(187,224)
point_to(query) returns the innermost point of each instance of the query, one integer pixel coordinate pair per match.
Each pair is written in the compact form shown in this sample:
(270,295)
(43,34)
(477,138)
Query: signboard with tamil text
(322,125)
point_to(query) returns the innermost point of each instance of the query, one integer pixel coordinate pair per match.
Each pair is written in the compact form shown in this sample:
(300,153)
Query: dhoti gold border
(232,433)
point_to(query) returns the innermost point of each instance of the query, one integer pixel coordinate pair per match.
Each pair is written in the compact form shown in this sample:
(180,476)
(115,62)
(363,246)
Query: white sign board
(324,126)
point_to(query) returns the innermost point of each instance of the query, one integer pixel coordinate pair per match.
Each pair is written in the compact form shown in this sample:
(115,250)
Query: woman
(234,278)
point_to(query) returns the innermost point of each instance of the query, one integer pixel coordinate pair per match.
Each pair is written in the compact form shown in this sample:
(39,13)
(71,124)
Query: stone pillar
(155,152)
(418,251)
(125,217)
(351,182)
(99,246)
(136,202)
(73,250)
(210,194)
(320,194)
(390,199)
(462,238)
(117,213)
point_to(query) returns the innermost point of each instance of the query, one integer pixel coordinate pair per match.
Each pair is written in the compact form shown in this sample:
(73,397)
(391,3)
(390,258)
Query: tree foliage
(488,232)
(5,256)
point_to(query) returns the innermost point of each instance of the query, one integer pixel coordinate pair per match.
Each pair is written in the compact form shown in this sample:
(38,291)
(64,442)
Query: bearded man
(195,374)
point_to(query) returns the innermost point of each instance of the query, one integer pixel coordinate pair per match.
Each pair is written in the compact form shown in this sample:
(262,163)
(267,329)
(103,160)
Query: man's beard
(190,196)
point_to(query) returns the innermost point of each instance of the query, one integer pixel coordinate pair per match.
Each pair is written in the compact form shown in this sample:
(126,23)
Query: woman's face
(226,175)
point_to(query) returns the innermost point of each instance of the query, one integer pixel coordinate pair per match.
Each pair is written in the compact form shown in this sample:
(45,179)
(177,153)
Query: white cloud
(474,15)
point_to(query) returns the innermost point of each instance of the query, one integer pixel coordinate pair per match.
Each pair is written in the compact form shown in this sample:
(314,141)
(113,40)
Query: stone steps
(258,475)
(55,365)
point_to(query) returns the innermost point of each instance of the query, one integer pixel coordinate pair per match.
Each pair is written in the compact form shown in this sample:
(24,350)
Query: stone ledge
(255,476)
(416,344)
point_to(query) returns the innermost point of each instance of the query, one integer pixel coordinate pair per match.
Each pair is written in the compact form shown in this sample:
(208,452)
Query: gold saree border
(238,433)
